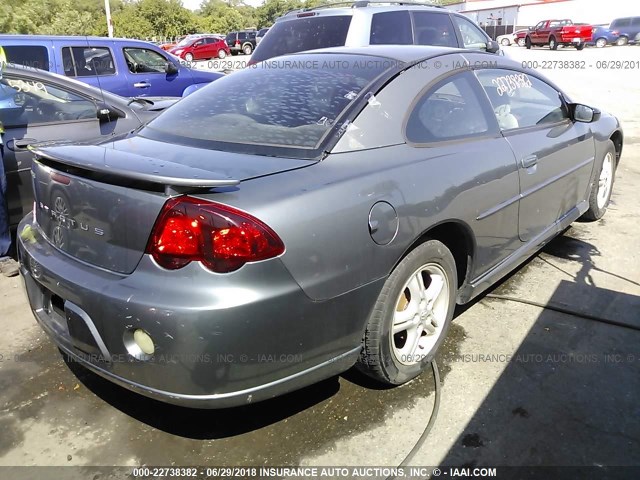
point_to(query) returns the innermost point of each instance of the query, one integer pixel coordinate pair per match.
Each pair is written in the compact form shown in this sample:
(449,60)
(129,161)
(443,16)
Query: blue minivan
(131,68)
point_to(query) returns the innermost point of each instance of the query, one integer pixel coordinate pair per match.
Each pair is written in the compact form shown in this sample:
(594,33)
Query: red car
(201,48)
(559,32)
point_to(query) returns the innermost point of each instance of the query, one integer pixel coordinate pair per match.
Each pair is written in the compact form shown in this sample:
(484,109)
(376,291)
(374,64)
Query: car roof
(66,38)
(363,7)
(400,53)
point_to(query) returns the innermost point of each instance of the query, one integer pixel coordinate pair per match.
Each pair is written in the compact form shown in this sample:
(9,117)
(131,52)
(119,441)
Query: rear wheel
(527,43)
(622,41)
(580,46)
(505,42)
(600,195)
(188,57)
(411,316)
(601,42)
(553,44)
(222,54)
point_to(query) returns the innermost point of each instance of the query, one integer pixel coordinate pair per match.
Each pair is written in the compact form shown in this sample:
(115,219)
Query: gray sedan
(318,211)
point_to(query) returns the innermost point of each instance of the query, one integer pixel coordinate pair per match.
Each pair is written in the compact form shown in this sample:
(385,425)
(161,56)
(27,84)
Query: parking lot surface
(521,384)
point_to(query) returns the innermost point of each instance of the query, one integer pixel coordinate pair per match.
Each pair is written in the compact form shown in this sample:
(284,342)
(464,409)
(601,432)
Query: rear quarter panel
(322,212)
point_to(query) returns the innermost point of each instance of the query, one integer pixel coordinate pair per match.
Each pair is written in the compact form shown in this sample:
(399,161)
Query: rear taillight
(615,32)
(237,42)
(221,237)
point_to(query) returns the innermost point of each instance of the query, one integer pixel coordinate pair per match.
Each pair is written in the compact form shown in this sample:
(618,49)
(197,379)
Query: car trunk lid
(99,203)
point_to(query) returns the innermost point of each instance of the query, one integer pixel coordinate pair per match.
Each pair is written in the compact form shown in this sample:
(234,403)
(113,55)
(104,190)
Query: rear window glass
(303,34)
(391,28)
(87,61)
(28,55)
(299,101)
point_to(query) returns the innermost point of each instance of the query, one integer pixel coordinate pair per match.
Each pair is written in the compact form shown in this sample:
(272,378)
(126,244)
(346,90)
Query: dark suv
(628,29)
(365,23)
(243,41)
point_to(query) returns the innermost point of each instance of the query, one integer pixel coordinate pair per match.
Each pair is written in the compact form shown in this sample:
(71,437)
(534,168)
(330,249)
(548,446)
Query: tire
(553,44)
(580,46)
(601,42)
(222,54)
(390,358)
(505,42)
(189,57)
(527,43)
(522,42)
(622,41)
(247,49)
(602,188)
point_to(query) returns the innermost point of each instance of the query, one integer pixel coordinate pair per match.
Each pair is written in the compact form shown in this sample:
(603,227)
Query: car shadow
(198,423)
(568,395)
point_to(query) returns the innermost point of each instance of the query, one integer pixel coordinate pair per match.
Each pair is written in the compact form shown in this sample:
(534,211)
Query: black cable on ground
(432,421)
(436,373)
(560,309)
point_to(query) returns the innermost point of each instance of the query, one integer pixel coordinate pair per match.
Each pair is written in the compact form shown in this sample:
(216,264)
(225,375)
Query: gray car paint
(313,301)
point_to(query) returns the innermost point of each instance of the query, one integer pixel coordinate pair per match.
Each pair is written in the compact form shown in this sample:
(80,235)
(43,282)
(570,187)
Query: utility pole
(107,9)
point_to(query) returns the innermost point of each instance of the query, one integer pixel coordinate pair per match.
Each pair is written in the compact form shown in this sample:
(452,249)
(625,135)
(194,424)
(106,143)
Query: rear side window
(621,23)
(298,102)
(450,110)
(303,34)
(87,61)
(434,29)
(28,55)
(391,28)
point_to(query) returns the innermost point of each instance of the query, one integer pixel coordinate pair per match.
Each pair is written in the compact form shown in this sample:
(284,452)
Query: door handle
(20,143)
(528,162)
(142,85)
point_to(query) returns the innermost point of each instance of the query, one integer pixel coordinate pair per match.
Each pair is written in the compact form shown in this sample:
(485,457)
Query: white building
(524,13)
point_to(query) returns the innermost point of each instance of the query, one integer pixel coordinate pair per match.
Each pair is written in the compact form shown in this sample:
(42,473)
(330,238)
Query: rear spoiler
(91,162)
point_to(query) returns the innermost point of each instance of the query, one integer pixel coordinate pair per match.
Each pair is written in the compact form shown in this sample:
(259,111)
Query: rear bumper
(220,340)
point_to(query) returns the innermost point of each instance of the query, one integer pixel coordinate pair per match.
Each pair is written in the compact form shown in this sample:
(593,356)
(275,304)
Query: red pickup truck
(558,32)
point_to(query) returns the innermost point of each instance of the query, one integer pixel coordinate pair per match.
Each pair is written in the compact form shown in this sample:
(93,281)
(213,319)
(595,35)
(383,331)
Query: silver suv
(364,23)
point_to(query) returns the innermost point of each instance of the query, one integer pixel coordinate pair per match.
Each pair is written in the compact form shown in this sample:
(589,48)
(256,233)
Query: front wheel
(411,316)
(522,42)
(189,57)
(247,49)
(222,54)
(553,45)
(601,190)
(505,42)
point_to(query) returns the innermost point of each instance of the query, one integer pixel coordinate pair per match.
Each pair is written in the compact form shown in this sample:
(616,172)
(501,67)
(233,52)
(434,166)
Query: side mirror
(107,113)
(493,46)
(583,113)
(171,68)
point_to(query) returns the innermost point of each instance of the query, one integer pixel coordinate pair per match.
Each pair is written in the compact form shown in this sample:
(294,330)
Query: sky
(194,4)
